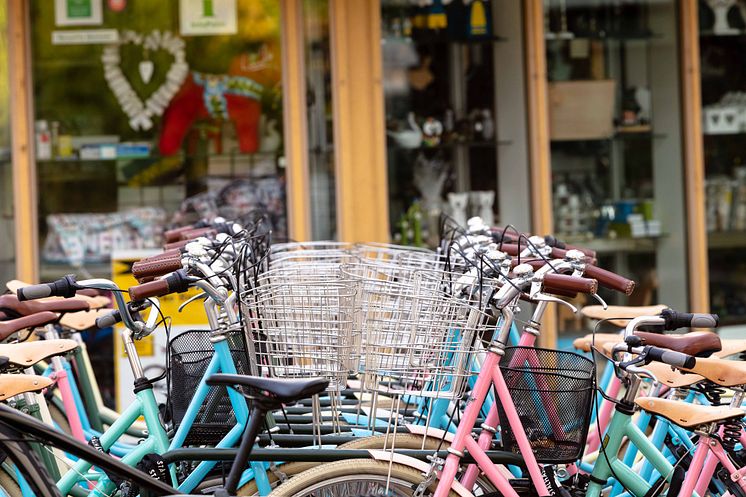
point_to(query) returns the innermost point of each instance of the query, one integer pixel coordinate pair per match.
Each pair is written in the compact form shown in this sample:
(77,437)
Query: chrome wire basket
(302,324)
(418,338)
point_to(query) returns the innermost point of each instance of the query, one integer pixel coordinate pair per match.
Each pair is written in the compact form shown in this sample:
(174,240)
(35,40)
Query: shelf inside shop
(726,239)
(613,245)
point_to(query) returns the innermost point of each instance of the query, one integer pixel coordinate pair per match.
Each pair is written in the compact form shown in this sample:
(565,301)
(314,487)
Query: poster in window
(207,17)
(78,12)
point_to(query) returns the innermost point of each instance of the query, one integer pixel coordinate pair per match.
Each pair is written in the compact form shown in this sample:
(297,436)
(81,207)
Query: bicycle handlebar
(554,282)
(63,287)
(670,357)
(176,282)
(156,266)
(675,320)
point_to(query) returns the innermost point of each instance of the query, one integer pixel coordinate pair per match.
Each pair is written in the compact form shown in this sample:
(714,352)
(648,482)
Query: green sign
(79,9)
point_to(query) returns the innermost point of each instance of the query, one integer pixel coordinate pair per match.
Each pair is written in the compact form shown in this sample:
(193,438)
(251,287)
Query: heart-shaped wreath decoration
(141,113)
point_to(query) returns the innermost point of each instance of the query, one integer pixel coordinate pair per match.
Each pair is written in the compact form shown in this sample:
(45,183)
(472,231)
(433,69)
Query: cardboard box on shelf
(581,110)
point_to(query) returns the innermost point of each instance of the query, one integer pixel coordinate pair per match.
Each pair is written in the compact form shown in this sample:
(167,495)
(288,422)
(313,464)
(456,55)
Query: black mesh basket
(552,392)
(190,354)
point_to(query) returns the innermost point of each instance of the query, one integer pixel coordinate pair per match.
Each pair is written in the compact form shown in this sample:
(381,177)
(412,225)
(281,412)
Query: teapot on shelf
(410,137)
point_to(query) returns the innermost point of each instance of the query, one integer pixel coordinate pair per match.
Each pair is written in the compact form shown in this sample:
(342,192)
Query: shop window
(440,97)
(320,132)
(615,127)
(722,39)
(148,113)
(7,247)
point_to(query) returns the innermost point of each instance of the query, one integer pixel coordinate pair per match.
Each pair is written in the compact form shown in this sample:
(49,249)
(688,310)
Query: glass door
(722,39)
(615,142)
(443,143)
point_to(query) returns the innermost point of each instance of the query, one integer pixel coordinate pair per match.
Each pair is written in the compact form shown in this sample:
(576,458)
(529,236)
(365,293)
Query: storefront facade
(365,120)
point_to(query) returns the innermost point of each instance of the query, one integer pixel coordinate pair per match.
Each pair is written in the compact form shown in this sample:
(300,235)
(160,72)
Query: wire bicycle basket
(552,392)
(302,324)
(417,338)
(190,354)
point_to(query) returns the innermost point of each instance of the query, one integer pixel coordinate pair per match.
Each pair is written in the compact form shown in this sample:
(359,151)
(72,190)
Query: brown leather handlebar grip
(510,248)
(157,267)
(610,280)
(155,288)
(174,235)
(534,263)
(196,233)
(176,245)
(167,254)
(567,283)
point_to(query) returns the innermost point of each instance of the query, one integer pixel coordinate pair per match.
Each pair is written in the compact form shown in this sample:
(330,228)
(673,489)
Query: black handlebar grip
(63,287)
(675,320)
(670,357)
(33,292)
(108,320)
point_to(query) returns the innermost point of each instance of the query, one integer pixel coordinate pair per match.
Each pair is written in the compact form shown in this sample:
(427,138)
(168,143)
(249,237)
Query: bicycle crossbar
(321,455)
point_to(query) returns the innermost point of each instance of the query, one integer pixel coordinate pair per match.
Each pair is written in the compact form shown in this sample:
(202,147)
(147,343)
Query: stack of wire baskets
(383,313)
(301,314)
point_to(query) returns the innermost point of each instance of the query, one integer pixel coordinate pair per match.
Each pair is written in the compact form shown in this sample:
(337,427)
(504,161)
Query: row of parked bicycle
(335,369)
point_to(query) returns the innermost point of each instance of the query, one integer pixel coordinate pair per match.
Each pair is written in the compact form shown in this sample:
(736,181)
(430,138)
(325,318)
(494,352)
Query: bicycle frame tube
(608,464)
(490,374)
(702,469)
(222,361)
(86,380)
(157,441)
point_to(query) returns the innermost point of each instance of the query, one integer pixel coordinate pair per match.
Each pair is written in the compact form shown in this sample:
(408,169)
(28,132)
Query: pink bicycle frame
(490,374)
(709,452)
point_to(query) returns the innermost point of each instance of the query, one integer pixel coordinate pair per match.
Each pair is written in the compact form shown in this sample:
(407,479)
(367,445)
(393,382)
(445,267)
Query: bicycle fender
(431,432)
(422,466)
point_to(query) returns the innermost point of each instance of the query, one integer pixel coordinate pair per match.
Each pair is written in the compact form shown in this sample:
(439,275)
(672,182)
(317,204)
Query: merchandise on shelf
(77,239)
(726,202)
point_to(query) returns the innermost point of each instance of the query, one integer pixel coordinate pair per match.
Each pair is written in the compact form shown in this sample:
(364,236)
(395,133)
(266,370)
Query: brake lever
(196,297)
(543,297)
(641,372)
(600,300)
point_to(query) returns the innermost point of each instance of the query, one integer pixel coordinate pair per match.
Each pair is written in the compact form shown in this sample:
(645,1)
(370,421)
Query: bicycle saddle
(15,384)
(696,343)
(281,390)
(688,415)
(731,346)
(11,302)
(670,377)
(723,372)
(29,353)
(622,313)
(7,328)
(601,339)
(82,320)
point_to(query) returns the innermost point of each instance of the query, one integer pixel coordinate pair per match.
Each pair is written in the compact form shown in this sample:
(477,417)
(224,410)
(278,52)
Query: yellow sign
(151,349)
(192,314)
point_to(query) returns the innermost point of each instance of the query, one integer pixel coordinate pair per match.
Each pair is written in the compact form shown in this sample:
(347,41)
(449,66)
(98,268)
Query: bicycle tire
(403,478)
(8,485)
(59,418)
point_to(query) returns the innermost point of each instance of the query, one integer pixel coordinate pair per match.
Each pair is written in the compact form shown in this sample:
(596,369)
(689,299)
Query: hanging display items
(139,112)
(207,17)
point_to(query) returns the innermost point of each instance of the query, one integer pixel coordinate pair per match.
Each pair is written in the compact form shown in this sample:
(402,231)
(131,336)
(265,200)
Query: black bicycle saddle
(281,390)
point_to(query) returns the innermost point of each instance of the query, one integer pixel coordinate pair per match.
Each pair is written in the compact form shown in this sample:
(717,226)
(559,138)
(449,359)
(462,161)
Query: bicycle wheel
(354,477)
(403,441)
(8,484)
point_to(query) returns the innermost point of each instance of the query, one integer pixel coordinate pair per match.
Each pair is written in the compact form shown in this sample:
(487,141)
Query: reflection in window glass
(615,142)
(722,40)
(7,247)
(166,108)
(439,88)
(320,131)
